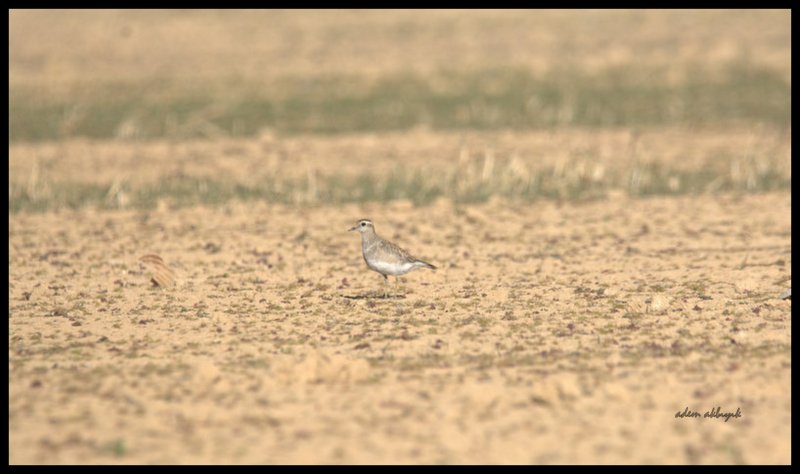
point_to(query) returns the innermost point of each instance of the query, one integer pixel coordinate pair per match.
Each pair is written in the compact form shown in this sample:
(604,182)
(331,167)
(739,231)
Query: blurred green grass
(490,99)
(474,182)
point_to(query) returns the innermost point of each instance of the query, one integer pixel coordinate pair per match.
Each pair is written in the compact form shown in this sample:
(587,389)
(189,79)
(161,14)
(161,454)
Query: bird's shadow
(370,296)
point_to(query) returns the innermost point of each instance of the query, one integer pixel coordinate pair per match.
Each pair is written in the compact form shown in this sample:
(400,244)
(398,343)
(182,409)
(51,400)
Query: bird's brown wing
(394,253)
(398,255)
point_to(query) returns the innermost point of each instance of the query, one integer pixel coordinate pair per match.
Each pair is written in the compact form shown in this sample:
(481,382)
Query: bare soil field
(607,195)
(551,333)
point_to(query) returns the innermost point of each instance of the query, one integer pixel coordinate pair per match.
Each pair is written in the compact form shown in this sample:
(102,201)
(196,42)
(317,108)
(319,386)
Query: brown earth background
(606,195)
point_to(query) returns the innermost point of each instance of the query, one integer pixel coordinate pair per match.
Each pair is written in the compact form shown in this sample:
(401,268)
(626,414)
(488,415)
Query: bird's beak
(352,229)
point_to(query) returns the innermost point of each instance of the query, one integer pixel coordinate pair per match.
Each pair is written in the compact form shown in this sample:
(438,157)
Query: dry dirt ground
(551,333)
(555,331)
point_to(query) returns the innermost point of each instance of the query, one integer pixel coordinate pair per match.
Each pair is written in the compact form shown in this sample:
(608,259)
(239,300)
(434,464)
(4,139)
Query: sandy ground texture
(551,333)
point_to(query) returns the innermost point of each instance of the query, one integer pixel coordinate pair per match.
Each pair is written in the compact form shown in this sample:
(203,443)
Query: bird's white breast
(393,269)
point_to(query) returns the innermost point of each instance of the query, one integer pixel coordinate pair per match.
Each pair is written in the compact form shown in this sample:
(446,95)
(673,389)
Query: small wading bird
(385,257)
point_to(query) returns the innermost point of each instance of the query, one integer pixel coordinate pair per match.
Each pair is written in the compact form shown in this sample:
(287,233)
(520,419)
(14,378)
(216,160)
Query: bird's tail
(426,265)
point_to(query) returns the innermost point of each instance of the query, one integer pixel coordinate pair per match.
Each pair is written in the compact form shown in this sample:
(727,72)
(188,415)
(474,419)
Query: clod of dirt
(211,247)
(162,275)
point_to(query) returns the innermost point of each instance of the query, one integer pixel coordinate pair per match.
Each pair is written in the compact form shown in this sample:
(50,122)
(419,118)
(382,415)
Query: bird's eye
(363,224)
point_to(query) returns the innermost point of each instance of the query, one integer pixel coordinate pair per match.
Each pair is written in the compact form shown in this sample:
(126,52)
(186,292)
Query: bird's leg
(385,286)
(397,285)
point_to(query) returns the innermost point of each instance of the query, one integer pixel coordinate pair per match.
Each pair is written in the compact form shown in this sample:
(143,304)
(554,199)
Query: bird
(385,257)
